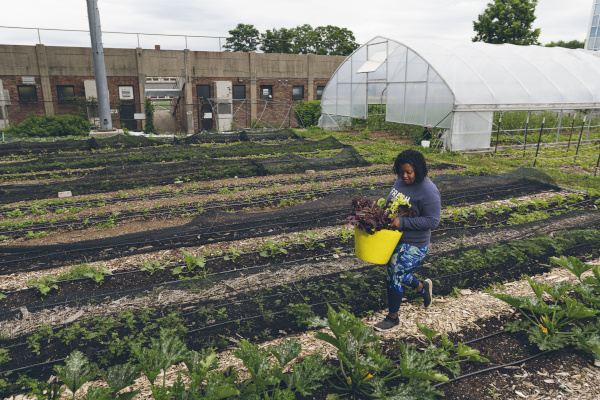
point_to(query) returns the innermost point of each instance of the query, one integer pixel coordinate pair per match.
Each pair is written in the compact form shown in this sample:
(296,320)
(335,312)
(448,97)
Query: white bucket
(425,143)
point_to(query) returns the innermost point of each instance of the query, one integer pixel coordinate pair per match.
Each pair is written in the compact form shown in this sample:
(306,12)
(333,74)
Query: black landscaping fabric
(127,175)
(215,226)
(21,147)
(243,135)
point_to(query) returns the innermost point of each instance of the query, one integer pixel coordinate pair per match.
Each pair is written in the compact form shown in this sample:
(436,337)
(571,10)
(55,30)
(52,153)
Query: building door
(204,107)
(127,120)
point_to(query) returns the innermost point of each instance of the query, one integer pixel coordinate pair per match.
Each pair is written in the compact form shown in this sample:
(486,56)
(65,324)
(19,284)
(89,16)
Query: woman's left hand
(395,225)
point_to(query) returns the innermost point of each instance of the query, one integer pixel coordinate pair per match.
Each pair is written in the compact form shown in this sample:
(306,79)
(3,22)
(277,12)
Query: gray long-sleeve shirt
(425,198)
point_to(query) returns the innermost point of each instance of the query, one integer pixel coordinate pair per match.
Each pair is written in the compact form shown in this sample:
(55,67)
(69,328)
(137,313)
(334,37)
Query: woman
(424,197)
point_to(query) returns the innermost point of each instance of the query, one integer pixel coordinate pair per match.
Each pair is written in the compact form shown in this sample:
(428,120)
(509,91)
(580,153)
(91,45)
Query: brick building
(200,90)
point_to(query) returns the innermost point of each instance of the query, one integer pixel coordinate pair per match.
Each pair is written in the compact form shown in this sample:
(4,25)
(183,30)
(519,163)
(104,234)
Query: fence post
(571,133)
(539,140)
(525,137)
(597,163)
(587,134)
(559,124)
(498,132)
(579,142)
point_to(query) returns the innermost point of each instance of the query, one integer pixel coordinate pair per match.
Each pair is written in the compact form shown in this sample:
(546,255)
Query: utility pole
(99,66)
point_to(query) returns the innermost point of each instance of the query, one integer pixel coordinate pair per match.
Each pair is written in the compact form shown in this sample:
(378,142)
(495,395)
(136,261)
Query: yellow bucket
(376,248)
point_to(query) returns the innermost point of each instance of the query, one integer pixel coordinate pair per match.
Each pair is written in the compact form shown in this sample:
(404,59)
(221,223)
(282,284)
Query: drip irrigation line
(132,215)
(47,305)
(434,231)
(320,303)
(514,210)
(145,243)
(199,232)
(484,337)
(32,366)
(146,214)
(180,193)
(59,327)
(493,368)
(496,265)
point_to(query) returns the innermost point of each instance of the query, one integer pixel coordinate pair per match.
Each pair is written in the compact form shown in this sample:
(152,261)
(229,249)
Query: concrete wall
(51,66)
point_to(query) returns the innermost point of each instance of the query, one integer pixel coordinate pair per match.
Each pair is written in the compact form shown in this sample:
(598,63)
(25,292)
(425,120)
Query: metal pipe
(559,125)
(579,142)
(571,133)
(525,138)
(587,134)
(539,141)
(595,171)
(99,65)
(498,132)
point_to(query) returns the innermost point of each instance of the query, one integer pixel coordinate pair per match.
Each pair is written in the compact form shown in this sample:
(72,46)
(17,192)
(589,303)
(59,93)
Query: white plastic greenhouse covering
(458,86)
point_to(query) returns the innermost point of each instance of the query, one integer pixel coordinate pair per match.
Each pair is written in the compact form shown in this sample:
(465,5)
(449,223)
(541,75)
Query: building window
(27,94)
(266,92)
(239,92)
(65,93)
(320,92)
(203,91)
(298,93)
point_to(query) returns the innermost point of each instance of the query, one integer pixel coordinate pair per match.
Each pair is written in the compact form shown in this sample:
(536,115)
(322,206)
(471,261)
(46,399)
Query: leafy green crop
(554,325)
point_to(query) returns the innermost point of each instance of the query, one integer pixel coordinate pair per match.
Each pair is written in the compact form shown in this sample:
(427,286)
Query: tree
(149,111)
(573,44)
(303,39)
(244,38)
(335,41)
(277,41)
(507,21)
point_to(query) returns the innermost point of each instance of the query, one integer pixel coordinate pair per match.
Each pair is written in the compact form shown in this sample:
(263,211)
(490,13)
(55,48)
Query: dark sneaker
(387,323)
(428,287)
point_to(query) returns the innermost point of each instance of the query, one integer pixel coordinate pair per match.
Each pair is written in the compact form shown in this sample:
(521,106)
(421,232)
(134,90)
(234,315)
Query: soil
(311,277)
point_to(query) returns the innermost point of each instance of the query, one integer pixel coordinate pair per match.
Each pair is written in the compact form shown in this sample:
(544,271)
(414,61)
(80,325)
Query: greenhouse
(458,87)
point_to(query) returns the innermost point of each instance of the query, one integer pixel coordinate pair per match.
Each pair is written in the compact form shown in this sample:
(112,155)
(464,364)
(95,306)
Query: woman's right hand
(395,225)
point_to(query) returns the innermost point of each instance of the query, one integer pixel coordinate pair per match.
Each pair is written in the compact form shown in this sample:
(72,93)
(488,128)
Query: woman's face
(407,174)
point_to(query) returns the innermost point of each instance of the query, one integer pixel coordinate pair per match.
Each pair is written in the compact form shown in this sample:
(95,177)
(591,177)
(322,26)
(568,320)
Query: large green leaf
(546,341)
(425,330)
(76,371)
(594,281)
(577,310)
(286,351)
(308,375)
(531,303)
(415,364)
(588,293)
(516,326)
(572,264)
(413,391)
(263,372)
(328,338)
(590,343)
(200,364)
(558,290)
(100,393)
(162,353)
(538,288)
(119,377)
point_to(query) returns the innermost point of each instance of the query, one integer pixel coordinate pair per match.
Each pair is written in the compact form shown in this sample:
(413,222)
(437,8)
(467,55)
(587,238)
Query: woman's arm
(429,214)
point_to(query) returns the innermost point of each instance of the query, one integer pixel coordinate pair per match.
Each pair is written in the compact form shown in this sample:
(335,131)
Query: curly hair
(414,159)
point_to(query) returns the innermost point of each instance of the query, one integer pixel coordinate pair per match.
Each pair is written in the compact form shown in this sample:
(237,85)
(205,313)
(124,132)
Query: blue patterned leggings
(404,260)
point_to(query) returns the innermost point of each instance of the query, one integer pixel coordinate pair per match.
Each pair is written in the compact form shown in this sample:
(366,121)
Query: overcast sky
(397,19)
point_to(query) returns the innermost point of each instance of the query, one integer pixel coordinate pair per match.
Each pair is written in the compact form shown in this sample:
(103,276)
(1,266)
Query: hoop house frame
(459,86)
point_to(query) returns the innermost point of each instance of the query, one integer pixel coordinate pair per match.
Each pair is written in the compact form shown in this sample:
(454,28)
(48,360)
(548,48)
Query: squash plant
(555,324)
